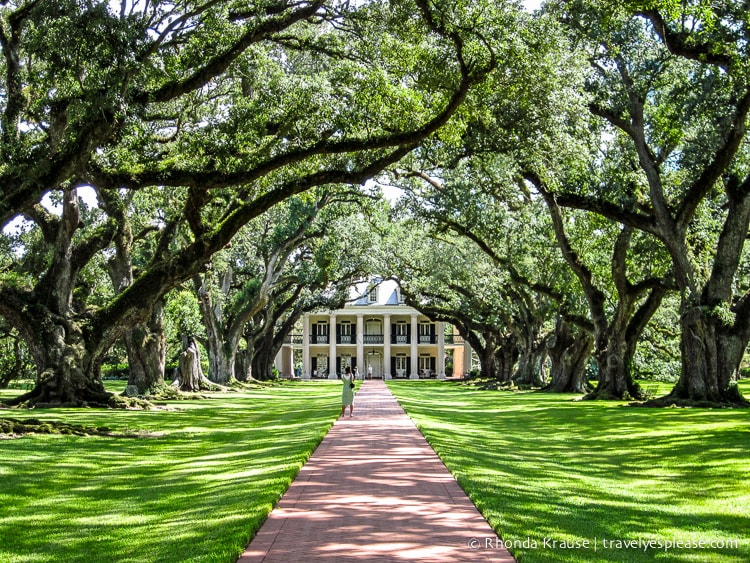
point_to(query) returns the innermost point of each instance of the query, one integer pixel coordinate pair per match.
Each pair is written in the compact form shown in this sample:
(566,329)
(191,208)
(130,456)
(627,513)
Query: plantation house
(377,334)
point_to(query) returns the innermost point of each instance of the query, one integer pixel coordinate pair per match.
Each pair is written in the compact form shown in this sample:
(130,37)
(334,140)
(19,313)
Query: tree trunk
(711,358)
(222,333)
(242,368)
(506,357)
(260,336)
(615,338)
(191,372)
(484,345)
(147,351)
(145,341)
(616,361)
(524,367)
(487,362)
(529,369)
(221,365)
(730,346)
(67,375)
(222,356)
(262,364)
(68,371)
(716,326)
(615,376)
(569,356)
(541,359)
(249,354)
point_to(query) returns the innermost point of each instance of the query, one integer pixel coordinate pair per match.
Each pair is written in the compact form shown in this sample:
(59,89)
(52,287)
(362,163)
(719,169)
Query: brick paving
(375,491)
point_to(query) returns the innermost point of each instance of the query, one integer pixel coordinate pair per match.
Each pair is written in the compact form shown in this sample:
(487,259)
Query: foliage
(202,135)
(15,361)
(657,357)
(187,123)
(182,319)
(668,103)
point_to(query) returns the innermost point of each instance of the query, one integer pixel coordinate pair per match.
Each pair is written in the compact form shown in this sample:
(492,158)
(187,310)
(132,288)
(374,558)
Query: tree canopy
(563,173)
(226,110)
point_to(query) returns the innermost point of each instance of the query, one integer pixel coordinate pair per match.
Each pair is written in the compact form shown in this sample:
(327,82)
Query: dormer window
(372,296)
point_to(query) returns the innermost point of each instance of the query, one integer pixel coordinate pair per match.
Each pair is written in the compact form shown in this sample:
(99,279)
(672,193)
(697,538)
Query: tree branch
(216,66)
(683,44)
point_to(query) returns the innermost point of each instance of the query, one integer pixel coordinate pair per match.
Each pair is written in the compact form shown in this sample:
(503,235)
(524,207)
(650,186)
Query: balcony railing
(450,339)
(373,339)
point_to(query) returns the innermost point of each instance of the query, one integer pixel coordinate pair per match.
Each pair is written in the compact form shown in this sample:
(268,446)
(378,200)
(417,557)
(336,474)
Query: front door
(375,365)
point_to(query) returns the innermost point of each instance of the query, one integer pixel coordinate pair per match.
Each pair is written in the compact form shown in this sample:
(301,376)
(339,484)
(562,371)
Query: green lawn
(195,487)
(542,468)
(546,468)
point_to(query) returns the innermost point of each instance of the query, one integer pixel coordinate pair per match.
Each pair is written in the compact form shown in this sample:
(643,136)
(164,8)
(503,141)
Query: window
(400,362)
(425,365)
(426,331)
(373,331)
(345,333)
(424,362)
(402,333)
(321,333)
(373,295)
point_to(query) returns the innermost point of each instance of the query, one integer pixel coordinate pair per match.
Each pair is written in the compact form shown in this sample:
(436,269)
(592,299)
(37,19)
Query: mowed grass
(563,480)
(195,487)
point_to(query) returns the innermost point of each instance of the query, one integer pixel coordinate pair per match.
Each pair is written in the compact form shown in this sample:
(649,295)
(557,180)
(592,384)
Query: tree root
(16,427)
(674,402)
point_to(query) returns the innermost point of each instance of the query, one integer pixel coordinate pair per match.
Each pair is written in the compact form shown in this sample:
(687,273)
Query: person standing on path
(347,393)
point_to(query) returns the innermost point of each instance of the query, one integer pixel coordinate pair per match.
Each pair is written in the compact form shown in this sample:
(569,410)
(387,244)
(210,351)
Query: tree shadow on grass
(198,492)
(545,467)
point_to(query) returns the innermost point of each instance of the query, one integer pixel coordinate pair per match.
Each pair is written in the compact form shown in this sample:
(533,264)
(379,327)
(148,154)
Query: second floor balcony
(373,339)
(367,339)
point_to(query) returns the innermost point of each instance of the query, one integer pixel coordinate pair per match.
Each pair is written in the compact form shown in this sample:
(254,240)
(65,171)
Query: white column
(441,350)
(282,361)
(306,365)
(361,367)
(414,348)
(332,348)
(387,346)
(467,357)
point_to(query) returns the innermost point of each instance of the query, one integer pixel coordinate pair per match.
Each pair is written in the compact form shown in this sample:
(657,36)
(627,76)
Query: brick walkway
(374,491)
